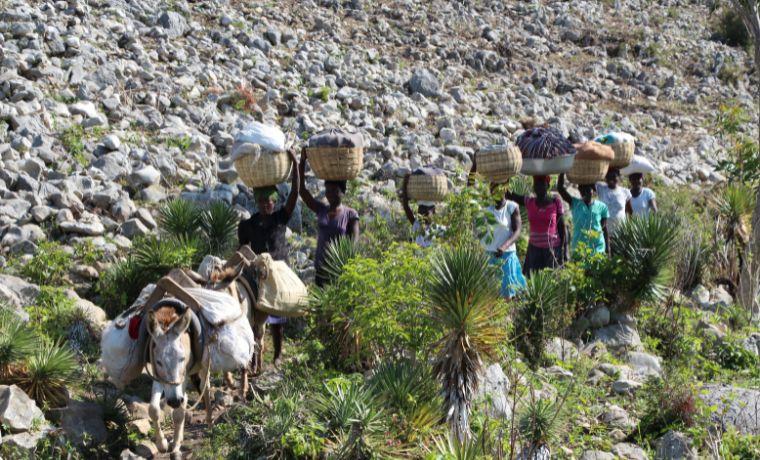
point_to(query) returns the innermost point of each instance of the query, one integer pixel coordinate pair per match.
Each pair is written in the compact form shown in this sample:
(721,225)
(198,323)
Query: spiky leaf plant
(338,253)
(342,402)
(47,373)
(155,257)
(17,341)
(645,250)
(540,315)
(179,217)
(539,426)
(408,389)
(734,205)
(219,224)
(464,300)
(691,262)
(452,448)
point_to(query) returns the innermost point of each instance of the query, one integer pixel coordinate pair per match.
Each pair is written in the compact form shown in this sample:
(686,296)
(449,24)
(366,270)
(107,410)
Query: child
(500,244)
(615,197)
(643,200)
(589,218)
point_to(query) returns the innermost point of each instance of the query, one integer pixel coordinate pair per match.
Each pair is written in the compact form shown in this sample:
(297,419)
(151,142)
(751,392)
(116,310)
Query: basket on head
(269,168)
(336,163)
(623,154)
(423,187)
(591,163)
(498,163)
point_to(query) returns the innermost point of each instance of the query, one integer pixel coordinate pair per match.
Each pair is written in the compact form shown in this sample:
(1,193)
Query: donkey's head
(171,350)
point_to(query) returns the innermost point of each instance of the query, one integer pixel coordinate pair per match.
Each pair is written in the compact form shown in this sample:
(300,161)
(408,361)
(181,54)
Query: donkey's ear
(181,325)
(154,329)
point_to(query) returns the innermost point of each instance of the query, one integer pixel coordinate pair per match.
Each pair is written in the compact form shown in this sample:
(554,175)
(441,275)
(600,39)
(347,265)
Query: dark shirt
(331,228)
(266,234)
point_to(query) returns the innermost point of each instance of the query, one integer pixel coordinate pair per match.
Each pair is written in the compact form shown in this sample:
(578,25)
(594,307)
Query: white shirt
(642,204)
(615,199)
(501,231)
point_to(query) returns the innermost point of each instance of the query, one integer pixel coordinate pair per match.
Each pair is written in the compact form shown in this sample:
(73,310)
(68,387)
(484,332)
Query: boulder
(675,446)
(174,23)
(24,443)
(644,365)
(618,337)
(738,407)
(134,228)
(562,349)
(617,417)
(600,317)
(752,343)
(84,419)
(625,386)
(597,455)
(17,292)
(425,83)
(627,451)
(18,411)
(494,389)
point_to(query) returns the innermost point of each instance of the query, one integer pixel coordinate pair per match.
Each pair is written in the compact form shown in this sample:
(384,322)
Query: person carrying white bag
(643,199)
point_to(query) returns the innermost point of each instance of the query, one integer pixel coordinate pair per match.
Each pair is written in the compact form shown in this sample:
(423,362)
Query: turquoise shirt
(587,220)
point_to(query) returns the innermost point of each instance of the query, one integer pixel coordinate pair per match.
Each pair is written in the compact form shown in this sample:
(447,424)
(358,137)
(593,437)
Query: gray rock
(738,407)
(644,365)
(494,388)
(597,455)
(89,228)
(127,454)
(174,23)
(18,411)
(145,177)
(425,83)
(111,142)
(145,216)
(618,337)
(17,292)
(625,386)
(84,419)
(134,228)
(146,449)
(628,451)
(617,417)
(24,443)
(599,317)
(85,108)
(752,343)
(561,348)
(675,446)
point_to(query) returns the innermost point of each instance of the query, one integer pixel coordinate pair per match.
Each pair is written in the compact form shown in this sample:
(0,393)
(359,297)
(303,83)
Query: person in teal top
(589,218)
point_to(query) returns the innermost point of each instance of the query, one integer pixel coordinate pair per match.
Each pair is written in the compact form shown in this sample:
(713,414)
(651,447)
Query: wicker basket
(427,188)
(499,163)
(588,171)
(623,154)
(269,169)
(336,163)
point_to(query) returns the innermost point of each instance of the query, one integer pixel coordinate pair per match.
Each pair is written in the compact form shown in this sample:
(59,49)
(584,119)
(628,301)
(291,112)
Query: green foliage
(17,341)
(585,279)
(464,301)
(735,446)
(87,253)
(731,29)
(692,257)
(215,226)
(47,373)
(743,164)
(670,403)
(183,143)
(373,308)
(116,417)
(541,314)
(339,252)
(219,226)
(49,265)
(644,248)
(732,355)
(54,315)
(452,448)
(465,216)
(539,422)
(72,139)
(179,218)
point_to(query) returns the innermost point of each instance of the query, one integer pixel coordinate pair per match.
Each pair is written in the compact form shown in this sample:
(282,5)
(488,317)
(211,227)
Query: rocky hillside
(106,105)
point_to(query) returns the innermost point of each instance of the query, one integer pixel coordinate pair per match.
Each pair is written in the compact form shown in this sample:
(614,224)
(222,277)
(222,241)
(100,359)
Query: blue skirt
(272,319)
(512,279)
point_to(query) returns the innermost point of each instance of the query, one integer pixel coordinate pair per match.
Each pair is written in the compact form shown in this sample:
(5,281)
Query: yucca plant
(116,416)
(154,257)
(644,248)
(541,314)
(735,205)
(17,341)
(338,253)
(179,217)
(464,300)
(341,403)
(47,372)
(219,224)
(407,387)
(693,255)
(539,425)
(451,448)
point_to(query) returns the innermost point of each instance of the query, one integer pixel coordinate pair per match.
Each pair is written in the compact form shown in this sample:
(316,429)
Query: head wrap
(545,179)
(265,192)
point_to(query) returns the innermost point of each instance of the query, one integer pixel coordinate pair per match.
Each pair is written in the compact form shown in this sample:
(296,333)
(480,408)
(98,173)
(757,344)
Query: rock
(644,365)
(127,454)
(625,386)
(24,443)
(92,313)
(84,419)
(134,228)
(18,412)
(84,108)
(562,349)
(87,228)
(17,292)
(425,83)
(597,455)
(720,299)
(145,177)
(494,388)
(738,407)
(599,317)
(674,446)
(627,451)
(141,426)
(174,23)
(146,449)
(617,417)
(618,337)
(559,373)
(752,343)
(111,142)
(146,218)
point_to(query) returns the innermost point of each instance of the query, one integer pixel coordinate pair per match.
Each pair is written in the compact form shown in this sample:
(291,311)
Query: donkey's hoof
(162,445)
(175,455)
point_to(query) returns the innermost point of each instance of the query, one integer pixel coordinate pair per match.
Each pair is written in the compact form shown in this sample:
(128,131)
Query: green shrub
(692,257)
(541,314)
(17,342)
(539,422)
(48,373)
(732,30)
(183,143)
(179,218)
(670,403)
(733,356)
(49,265)
(72,139)
(219,223)
(736,446)
(54,317)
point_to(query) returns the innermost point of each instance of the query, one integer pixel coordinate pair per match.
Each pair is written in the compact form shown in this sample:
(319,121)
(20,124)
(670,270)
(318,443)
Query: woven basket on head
(623,154)
(499,163)
(269,169)
(427,188)
(336,163)
(588,171)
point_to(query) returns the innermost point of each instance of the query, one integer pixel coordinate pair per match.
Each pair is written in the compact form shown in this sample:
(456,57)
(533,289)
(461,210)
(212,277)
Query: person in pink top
(547,243)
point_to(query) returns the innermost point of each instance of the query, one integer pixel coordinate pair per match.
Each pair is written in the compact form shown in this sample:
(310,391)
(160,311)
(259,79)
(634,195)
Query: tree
(749,11)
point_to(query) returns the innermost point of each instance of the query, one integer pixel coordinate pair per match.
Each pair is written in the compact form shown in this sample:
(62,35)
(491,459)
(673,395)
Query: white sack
(639,165)
(234,346)
(268,137)
(216,307)
(121,357)
(209,265)
(242,149)
(615,137)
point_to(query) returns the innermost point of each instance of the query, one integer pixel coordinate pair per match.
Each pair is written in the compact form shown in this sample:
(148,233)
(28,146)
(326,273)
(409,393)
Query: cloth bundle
(593,151)
(281,291)
(615,137)
(336,138)
(639,165)
(544,143)
(268,137)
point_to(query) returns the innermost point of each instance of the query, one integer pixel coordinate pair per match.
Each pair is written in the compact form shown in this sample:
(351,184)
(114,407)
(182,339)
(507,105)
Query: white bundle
(121,357)
(216,307)
(268,137)
(233,347)
(209,265)
(242,149)
(615,137)
(639,165)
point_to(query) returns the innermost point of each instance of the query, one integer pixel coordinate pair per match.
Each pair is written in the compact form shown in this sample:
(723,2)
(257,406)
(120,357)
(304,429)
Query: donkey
(175,351)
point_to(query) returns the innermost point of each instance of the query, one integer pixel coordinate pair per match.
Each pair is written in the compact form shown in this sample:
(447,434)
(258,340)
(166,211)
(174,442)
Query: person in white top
(500,241)
(615,197)
(643,199)
(424,231)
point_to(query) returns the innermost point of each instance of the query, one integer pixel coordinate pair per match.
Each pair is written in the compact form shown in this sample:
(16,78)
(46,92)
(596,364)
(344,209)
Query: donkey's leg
(178,417)
(259,322)
(154,410)
(206,385)
(243,384)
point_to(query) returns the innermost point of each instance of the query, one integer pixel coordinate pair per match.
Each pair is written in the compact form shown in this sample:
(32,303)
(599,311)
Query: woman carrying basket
(265,232)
